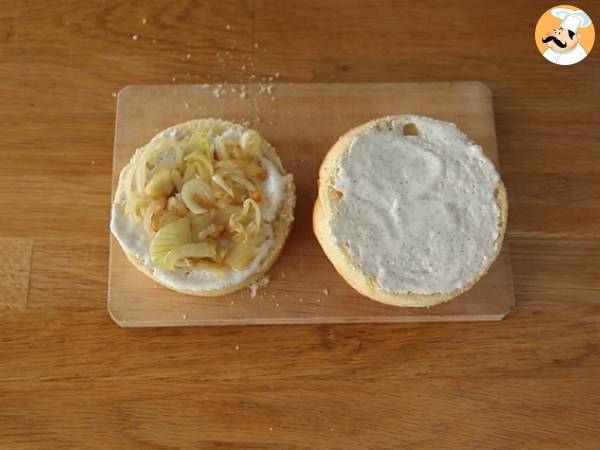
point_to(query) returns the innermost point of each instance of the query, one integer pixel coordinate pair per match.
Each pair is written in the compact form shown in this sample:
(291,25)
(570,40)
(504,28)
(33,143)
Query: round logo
(565,35)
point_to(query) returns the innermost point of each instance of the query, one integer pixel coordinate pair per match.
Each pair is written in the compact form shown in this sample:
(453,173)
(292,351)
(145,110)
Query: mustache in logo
(555,40)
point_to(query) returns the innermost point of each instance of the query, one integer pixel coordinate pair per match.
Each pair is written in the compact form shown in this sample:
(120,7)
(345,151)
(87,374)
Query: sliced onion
(132,204)
(168,217)
(126,180)
(208,266)
(224,212)
(237,152)
(200,222)
(192,188)
(221,150)
(241,233)
(140,178)
(199,250)
(176,179)
(208,231)
(160,153)
(198,142)
(227,164)
(257,213)
(175,204)
(250,143)
(257,240)
(243,182)
(240,257)
(202,160)
(149,214)
(254,170)
(219,181)
(249,203)
(169,237)
(160,184)
(137,207)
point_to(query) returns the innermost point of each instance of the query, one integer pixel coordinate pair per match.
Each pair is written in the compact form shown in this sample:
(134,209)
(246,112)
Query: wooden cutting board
(302,121)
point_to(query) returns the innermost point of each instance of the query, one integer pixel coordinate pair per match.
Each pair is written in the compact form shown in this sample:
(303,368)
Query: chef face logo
(564,35)
(561,40)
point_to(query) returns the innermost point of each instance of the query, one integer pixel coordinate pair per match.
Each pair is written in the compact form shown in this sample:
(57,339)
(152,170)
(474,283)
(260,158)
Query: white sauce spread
(418,213)
(134,240)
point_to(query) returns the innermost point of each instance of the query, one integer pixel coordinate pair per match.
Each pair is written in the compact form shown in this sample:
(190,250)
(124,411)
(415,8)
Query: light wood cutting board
(302,121)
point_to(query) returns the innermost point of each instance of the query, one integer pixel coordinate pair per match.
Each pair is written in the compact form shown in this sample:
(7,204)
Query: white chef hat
(571,19)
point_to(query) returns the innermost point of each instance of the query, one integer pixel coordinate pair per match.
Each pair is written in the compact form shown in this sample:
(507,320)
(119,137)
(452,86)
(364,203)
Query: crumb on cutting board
(258,284)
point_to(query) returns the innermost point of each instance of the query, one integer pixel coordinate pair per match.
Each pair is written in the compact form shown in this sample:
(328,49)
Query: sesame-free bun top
(204,208)
(409,211)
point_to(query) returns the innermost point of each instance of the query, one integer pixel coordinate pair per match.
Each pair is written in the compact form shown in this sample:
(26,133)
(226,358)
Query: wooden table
(71,379)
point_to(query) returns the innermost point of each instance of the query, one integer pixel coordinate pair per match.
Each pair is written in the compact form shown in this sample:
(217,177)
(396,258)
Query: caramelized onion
(199,198)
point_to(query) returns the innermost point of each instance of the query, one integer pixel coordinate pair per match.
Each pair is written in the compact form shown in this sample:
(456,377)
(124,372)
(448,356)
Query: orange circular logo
(565,35)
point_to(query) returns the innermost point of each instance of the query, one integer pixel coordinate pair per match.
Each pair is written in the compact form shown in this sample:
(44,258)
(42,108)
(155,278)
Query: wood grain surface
(304,286)
(71,379)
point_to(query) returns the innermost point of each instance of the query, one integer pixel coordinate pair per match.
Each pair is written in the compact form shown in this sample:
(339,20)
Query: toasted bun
(325,207)
(281,225)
